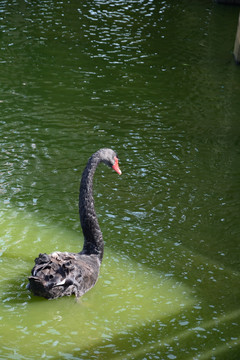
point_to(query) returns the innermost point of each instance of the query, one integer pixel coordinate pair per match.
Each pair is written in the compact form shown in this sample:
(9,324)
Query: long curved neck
(93,241)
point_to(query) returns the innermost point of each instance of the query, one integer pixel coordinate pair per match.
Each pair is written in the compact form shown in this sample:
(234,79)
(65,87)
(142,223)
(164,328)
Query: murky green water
(155,81)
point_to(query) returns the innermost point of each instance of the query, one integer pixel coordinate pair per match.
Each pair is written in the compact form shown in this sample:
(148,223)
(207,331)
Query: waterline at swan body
(63,273)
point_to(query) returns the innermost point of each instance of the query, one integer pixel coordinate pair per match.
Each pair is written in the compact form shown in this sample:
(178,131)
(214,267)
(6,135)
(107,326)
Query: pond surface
(156,81)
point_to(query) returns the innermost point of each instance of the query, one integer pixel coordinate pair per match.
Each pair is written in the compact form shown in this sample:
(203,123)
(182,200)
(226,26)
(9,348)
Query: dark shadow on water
(15,291)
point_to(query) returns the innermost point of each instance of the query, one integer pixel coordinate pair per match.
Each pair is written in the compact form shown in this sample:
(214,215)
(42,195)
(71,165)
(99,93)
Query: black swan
(63,273)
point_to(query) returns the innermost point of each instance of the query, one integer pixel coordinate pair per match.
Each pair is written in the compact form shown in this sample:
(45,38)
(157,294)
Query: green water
(155,81)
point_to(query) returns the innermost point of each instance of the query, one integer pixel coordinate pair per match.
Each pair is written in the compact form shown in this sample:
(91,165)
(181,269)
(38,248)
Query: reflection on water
(156,82)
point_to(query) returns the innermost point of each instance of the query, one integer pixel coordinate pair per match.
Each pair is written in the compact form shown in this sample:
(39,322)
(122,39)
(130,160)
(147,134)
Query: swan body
(63,273)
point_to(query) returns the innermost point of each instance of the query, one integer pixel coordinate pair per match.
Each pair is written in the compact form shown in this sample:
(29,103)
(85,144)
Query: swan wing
(59,274)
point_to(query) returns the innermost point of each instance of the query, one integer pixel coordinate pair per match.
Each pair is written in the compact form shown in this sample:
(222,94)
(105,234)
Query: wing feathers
(60,274)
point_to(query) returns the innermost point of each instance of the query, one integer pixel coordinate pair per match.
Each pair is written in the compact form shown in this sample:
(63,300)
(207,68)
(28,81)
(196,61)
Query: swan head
(110,158)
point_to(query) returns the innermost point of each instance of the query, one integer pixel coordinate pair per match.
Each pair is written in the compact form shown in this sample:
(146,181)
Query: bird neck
(93,241)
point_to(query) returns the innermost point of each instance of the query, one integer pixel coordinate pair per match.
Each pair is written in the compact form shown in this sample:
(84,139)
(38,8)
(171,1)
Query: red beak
(116,167)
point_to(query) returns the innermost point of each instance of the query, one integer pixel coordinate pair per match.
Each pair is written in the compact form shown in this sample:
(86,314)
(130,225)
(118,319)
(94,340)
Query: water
(155,81)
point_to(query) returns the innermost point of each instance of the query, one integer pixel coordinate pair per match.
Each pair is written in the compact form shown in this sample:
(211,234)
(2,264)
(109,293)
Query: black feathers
(62,273)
